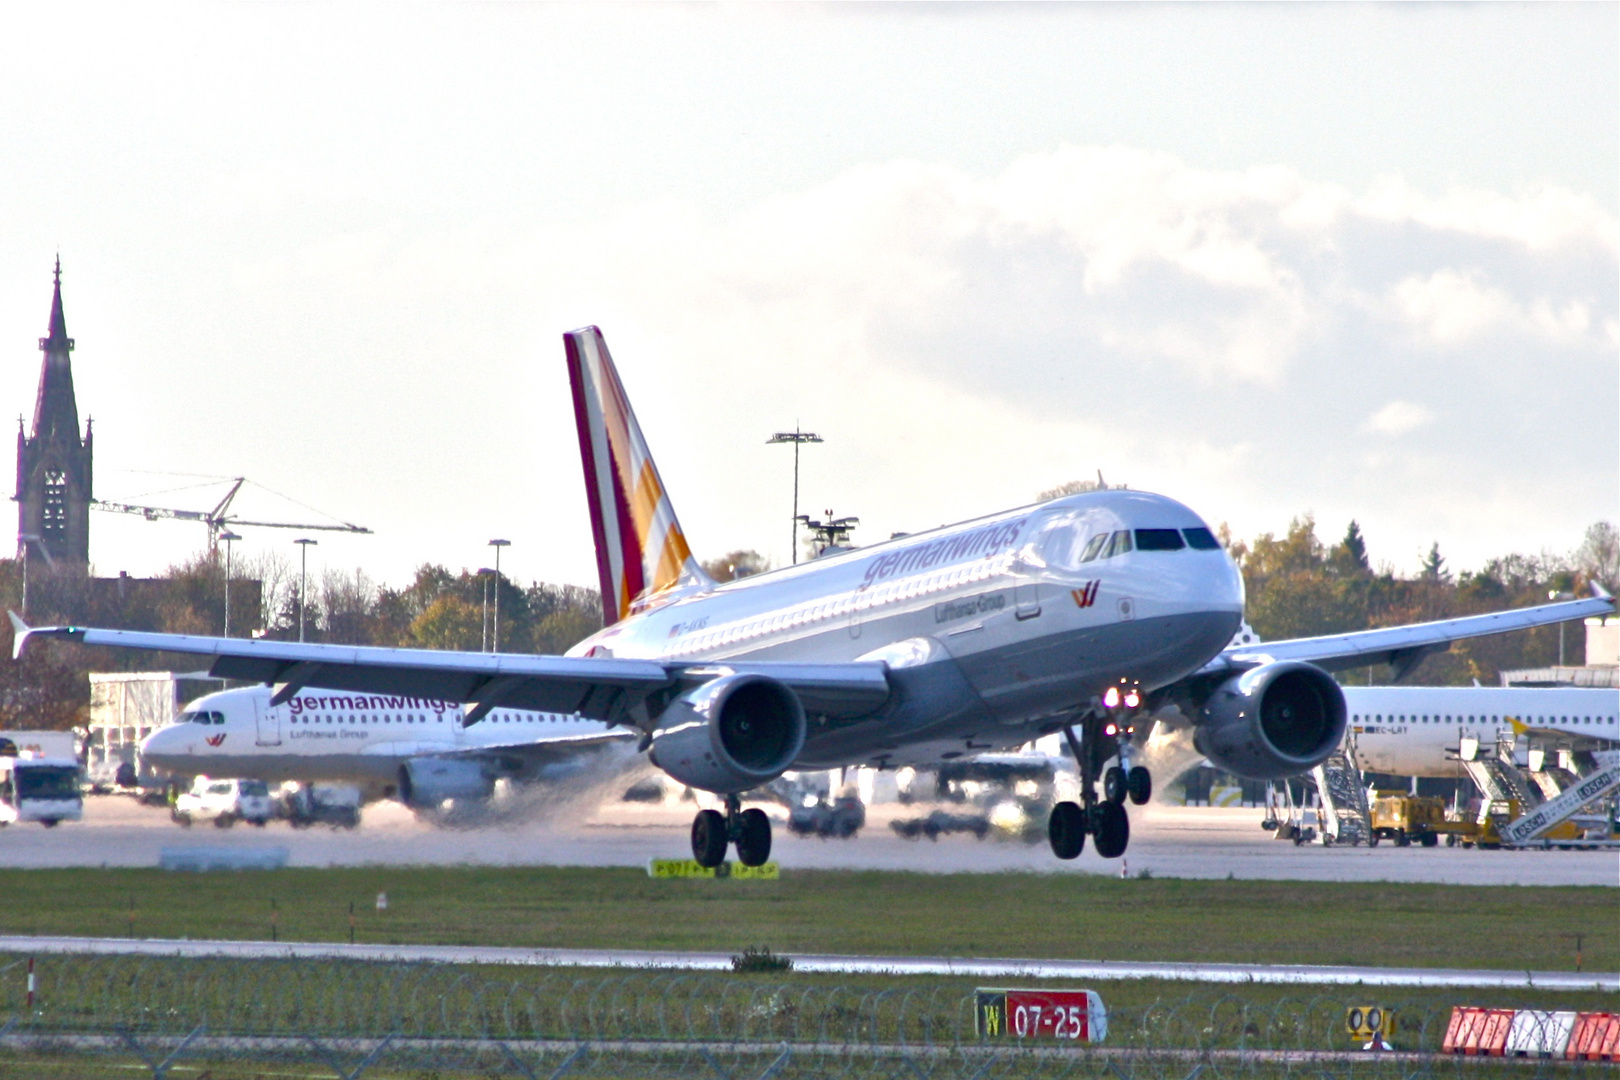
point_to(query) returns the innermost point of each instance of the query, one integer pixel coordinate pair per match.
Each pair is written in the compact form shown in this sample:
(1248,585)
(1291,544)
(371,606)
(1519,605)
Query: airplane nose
(164,742)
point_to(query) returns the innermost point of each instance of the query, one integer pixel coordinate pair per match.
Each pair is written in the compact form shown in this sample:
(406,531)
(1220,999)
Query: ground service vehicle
(304,805)
(42,789)
(225,802)
(1404,818)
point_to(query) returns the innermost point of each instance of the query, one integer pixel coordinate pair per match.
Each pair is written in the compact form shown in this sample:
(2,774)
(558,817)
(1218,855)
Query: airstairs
(1596,784)
(1498,777)
(1345,818)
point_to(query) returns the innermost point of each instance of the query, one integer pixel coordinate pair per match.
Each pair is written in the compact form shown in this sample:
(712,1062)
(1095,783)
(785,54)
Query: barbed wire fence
(223,1017)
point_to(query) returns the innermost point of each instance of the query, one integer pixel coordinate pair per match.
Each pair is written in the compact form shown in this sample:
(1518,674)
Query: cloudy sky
(1354,260)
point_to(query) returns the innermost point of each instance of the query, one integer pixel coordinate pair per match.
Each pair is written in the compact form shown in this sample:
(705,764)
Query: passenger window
(1158,540)
(1201,539)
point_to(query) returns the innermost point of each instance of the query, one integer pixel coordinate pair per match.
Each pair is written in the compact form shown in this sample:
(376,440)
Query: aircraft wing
(601,688)
(1403,647)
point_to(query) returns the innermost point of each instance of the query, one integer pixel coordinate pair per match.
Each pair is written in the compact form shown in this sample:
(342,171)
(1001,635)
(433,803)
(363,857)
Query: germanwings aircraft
(1077,615)
(415,748)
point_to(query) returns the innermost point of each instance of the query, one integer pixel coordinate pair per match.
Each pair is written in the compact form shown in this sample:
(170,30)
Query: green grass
(861,912)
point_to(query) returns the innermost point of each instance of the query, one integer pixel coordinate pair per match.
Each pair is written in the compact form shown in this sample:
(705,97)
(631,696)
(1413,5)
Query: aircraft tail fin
(641,552)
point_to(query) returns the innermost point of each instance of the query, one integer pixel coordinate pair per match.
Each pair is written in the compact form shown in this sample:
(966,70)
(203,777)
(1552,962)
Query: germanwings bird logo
(215,740)
(640,548)
(1085,595)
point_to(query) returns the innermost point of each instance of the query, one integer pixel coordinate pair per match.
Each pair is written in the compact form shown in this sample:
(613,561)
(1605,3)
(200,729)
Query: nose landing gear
(1105,819)
(749,830)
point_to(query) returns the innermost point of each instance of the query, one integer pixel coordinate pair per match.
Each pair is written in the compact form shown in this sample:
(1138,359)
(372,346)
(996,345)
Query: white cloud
(1398,418)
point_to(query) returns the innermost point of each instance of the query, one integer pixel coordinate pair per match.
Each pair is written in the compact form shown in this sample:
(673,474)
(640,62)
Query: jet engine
(730,734)
(1273,721)
(426,782)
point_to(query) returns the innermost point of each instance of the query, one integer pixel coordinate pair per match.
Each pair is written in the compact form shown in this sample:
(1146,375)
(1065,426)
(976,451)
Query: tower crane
(219,518)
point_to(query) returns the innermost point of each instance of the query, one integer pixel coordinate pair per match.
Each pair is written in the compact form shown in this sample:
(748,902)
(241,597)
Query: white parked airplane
(1073,615)
(416,748)
(1417,730)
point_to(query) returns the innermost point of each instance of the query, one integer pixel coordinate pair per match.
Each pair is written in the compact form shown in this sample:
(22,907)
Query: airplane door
(269,723)
(857,612)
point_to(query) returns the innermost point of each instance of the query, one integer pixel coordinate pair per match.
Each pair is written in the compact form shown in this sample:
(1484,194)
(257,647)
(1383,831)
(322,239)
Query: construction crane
(219,519)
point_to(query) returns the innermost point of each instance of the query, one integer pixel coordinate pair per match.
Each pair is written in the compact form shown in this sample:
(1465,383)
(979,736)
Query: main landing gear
(749,829)
(1103,819)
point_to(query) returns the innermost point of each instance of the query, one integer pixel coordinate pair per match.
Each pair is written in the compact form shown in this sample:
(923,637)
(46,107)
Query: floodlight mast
(797,438)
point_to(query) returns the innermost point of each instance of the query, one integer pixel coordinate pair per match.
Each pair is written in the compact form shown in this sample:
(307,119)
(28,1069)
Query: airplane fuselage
(1416,730)
(992,629)
(325,736)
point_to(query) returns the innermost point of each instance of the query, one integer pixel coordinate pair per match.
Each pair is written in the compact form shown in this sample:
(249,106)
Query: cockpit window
(1201,539)
(1121,544)
(1094,548)
(1158,540)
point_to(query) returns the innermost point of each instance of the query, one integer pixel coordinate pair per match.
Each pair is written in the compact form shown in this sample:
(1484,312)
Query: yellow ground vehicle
(1404,818)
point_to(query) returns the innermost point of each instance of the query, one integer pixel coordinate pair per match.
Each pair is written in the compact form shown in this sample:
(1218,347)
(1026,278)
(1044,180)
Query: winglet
(20,632)
(1600,592)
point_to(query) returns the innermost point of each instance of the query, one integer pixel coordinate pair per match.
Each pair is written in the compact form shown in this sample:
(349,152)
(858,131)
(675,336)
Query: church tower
(53,462)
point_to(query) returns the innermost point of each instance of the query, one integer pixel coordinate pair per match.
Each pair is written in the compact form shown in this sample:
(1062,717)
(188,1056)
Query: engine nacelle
(730,734)
(425,783)
(1273,721)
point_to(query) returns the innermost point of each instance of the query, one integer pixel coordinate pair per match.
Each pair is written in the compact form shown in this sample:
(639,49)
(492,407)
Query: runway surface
(1167,841)
(866,965)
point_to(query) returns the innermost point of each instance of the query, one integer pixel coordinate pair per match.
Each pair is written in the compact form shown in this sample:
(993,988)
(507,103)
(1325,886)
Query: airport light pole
(228,537)
(26,539)
(496,635)
(303,543)
(1556,595)
(483,577)
(797,438)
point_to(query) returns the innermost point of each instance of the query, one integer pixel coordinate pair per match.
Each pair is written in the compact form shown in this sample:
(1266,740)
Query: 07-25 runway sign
(1064,1015)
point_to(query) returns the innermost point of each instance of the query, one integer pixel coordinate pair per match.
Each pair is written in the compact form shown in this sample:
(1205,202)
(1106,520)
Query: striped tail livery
(641,552)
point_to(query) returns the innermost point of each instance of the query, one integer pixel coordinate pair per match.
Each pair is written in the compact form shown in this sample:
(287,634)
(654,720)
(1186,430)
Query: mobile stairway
(1345,817)
(1595,785)
(1498,776)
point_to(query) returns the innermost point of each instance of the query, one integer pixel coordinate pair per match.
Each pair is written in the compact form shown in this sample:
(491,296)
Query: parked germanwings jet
(386,744)
(967,638)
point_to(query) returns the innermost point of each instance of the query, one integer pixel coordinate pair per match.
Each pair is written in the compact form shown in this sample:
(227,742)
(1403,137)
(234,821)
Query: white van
(42,789)
(225,802)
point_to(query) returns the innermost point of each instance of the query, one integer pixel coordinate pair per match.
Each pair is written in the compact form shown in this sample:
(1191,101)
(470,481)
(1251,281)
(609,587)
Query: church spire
(53,459)
(55,410)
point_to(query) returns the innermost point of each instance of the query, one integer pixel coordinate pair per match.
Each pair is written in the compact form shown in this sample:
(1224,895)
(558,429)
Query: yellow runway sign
(688,868)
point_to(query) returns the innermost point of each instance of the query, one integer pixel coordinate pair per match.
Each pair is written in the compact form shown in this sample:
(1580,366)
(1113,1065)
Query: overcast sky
(1354,260)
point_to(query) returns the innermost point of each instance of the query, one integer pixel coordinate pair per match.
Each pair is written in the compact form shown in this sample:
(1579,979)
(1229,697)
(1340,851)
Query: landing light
(1132,699)
(1111,730)
(1111,698)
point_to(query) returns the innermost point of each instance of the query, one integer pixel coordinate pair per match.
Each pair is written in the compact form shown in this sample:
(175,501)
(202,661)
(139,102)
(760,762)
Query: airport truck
(34,787)
(225,802)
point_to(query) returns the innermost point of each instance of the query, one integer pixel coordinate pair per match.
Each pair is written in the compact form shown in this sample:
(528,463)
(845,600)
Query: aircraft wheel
(709,838)
(753,837)
(1114,785)
(1139,783)
(1112,828)
(1066,829)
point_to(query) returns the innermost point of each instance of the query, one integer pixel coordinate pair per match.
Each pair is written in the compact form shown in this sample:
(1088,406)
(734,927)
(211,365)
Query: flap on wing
(1403,646)
(600,688)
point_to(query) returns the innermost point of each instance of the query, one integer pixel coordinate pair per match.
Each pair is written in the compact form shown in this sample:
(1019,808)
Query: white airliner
(415,748)
(1417,731)
(1076,615)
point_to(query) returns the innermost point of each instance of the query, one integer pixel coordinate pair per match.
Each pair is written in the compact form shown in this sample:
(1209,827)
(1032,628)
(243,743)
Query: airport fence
(89,1016)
